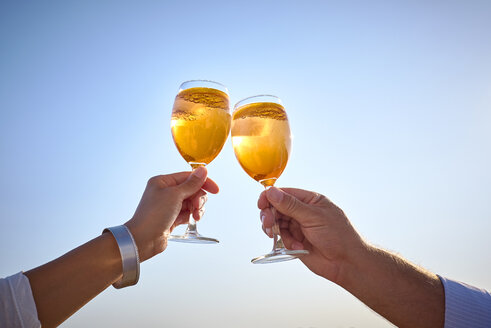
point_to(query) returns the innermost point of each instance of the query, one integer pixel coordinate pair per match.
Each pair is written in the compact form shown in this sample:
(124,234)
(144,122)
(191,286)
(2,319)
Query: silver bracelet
(129,256)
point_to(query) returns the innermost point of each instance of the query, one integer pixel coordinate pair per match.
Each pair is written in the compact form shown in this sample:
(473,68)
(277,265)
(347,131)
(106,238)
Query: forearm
(64,285)
(403,293)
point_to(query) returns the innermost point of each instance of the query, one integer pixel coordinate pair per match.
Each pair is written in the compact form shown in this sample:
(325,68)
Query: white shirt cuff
(17,307)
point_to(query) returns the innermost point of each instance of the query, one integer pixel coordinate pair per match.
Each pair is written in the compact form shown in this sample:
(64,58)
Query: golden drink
(200,124)
(261,139)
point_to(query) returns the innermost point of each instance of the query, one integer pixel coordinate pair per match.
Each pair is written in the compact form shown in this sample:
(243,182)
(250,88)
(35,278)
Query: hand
(165,204)
(310,221)
(406,295)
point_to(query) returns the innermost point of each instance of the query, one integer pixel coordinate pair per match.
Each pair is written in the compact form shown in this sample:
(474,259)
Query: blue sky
(389,104)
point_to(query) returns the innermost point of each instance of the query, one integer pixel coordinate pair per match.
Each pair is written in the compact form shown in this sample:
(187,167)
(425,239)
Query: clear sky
(389,103)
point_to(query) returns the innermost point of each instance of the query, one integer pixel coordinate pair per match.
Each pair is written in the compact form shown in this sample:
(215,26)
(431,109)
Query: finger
(283,224)
(263,201)
(306,196)
(189,208)
(289,241)
(199,199)
(198,213)
(182,218)
(292,206)
(210,186)
(267,218)
(267,230)
(186,205)
(174,179)
(193,183)
(296,231)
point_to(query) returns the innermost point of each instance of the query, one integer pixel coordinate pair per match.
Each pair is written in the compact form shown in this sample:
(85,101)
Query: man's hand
(403,293)
(310,221)
(165,204)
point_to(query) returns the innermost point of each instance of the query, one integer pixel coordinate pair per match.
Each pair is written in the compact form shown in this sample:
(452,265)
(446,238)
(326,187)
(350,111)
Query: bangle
(129,256)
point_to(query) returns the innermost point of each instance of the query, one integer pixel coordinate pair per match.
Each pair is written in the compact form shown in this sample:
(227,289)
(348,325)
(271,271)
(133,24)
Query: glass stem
(277,242)
(192,228)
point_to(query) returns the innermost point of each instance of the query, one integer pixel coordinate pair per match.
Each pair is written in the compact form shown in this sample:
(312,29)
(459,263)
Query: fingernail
(268,231)
(202,201)
(201,212)
(275,195)
(262,218)
(200,172)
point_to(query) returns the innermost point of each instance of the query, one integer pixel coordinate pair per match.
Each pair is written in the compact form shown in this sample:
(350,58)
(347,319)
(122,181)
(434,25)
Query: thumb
(193,183)
(289,205)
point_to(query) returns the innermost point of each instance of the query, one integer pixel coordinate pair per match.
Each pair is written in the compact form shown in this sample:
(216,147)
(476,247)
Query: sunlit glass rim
(258,99)
(203,84)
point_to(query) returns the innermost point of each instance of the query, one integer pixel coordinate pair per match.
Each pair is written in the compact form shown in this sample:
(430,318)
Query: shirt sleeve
(17,307)
(465,305)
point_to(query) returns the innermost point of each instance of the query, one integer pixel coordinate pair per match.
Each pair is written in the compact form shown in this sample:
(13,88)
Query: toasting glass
(262,140)
(200,125)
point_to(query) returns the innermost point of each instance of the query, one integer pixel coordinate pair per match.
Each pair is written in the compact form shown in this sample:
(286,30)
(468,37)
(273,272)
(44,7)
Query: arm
(64,285)
(403,293)
(406,295)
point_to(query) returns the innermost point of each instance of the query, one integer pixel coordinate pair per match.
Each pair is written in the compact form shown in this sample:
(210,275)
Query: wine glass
(262,140)
(200,125)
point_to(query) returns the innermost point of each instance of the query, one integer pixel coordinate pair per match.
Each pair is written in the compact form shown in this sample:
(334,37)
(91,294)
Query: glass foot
(193,238)
(279,255)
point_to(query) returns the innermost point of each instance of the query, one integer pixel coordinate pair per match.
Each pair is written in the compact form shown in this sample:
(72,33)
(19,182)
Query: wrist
(148,241)
(351,267)
(112,257)
(129,256)
(140,240)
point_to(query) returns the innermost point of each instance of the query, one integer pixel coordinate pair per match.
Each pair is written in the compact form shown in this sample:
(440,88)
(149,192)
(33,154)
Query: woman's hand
(166,203)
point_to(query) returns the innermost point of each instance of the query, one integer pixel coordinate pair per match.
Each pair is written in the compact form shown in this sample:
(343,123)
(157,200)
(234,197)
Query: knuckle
(321,198)
(340,212)
(156,182)
(152,181)
(194,178)
(318,199)
(291,204)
